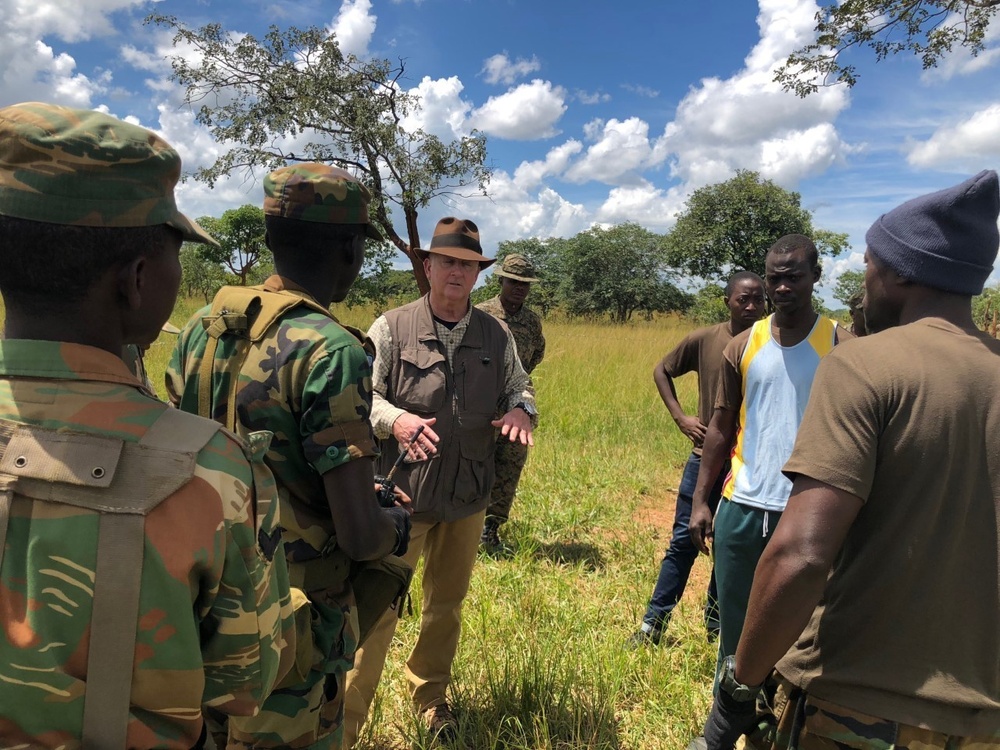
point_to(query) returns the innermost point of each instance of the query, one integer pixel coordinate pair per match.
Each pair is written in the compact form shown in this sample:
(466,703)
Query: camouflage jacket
(526,327)
(308,382)
(214,605)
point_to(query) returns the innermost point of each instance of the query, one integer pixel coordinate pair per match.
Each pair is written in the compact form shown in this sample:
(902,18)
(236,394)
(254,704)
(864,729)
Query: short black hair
(792,242)
(293,240)
(739,276)
(46,267)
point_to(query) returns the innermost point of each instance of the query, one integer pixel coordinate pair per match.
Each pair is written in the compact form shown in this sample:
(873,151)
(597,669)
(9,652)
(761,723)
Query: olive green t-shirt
(701,352)
(908,628)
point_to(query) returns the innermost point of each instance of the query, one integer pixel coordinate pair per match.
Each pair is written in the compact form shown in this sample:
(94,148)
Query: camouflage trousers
(306,710)
(809,723)
(509,458)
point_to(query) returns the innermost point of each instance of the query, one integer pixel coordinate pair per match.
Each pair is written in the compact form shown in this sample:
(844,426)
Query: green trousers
(741,534)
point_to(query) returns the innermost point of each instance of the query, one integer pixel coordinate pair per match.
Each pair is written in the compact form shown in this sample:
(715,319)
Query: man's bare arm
(718,443)
(792,574)
(691,426)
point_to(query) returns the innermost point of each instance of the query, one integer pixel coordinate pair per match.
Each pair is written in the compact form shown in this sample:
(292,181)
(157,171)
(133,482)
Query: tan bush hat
(457,238)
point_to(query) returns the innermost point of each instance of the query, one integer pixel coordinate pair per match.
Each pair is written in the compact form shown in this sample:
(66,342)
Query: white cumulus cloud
(645,204)
(620,153)
(531,173)
(442,110)
(501,69)
(747,121)
(969,145)
(354,26)
(512,212)
(33,69)
(527,112)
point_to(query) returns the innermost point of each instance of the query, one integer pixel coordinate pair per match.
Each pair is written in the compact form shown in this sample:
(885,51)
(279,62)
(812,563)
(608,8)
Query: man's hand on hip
(693,429)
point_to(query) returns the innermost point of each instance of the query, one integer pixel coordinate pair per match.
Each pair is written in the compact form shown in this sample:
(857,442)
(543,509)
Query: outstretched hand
(516,426)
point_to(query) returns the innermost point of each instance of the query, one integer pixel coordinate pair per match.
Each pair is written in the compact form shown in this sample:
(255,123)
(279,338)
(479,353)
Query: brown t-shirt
(701,352)
(909,625)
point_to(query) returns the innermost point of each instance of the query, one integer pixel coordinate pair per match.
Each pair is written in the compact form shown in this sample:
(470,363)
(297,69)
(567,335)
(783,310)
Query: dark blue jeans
(681,554)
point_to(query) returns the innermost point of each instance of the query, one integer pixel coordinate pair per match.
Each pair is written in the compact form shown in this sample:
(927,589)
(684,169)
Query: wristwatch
(527,408)
(727,681)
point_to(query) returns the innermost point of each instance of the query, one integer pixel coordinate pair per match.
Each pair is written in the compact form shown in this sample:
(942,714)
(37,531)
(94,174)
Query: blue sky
(595,112)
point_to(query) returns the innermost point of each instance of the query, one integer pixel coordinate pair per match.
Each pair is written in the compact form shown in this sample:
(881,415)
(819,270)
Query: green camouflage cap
(320,193)
(87,169)
(516,266)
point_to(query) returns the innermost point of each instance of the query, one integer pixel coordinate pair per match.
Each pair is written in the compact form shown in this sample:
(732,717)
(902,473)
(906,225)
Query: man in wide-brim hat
(442,365)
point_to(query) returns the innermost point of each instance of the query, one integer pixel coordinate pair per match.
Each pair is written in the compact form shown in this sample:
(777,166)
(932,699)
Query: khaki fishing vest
(463,397)
(123,482)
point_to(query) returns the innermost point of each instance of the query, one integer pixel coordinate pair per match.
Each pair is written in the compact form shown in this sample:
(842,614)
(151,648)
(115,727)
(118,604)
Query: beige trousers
(449,552)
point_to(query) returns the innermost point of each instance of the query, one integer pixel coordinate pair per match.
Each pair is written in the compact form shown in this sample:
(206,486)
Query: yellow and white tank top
(776,383)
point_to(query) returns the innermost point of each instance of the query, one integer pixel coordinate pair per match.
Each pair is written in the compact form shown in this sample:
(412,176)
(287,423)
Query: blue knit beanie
(945,240)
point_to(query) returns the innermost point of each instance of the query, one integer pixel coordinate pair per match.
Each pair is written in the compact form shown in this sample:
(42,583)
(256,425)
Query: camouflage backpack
(123,482)
(247,313)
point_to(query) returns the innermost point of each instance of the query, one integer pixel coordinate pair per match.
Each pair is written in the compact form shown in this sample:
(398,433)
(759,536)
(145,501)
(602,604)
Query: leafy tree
(199,275)
(729,226)
(372,285)
(709,306)
(545,255)
(926,28)
(401,286)
(818,306)
(848,284)
(240,234)
(293,96)
(615,271)
(986,310)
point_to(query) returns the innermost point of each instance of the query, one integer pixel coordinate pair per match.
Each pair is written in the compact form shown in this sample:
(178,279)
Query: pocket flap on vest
(422,359)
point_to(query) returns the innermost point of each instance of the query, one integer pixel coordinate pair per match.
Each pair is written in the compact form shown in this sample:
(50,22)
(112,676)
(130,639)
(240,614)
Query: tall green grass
(541,663)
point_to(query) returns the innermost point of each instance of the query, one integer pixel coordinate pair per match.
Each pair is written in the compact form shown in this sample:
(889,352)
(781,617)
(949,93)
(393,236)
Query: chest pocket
(421,384)
(480,384)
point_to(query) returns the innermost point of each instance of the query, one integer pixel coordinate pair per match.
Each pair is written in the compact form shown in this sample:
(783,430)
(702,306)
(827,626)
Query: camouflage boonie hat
(320,193)
(516,266)
(87,169)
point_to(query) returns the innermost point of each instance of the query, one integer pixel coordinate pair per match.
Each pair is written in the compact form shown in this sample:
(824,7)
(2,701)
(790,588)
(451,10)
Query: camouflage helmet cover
(83,168)
(319,193)
(516,266)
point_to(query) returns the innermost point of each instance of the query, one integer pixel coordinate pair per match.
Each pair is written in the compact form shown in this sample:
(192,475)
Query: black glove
(728,720)
(400,517)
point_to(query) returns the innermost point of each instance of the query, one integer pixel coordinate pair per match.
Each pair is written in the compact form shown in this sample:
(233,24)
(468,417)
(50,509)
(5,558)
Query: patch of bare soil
(656,512)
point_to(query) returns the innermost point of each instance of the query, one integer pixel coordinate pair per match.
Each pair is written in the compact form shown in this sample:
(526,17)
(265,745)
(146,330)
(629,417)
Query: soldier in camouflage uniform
(307,379)
(876,602)
(516,274)
(89,241)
